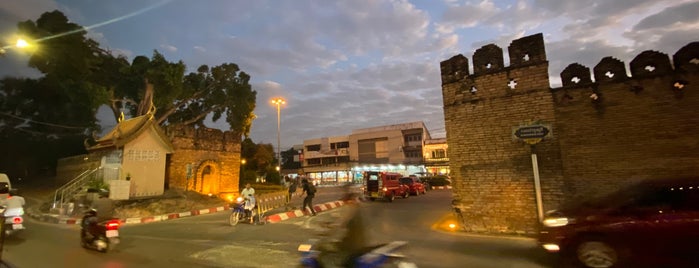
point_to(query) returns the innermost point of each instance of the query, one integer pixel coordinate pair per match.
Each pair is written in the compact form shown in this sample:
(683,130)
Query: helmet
(91,212)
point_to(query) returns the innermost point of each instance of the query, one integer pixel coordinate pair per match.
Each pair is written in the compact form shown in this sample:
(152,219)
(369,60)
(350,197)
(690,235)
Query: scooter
(13,220)
(317,253)
(240,214)
(101,236)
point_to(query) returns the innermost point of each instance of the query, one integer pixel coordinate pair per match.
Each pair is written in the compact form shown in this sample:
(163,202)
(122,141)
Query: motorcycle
(239,213)
(101,236)
(319,253)
(13,220)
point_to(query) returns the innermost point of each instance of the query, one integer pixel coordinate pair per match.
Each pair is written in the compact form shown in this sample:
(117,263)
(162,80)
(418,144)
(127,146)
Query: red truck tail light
(17,220)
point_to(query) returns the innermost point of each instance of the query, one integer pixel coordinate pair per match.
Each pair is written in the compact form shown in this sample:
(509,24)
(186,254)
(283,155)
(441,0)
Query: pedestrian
(292,190)
(310,192)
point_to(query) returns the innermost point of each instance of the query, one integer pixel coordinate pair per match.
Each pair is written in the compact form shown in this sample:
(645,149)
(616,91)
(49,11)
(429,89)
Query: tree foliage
(259,158)
(288,159)
(78,76)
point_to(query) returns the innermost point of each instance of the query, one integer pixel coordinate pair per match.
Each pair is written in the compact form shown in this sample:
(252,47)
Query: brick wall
(640,127)
(200,148)
(637,128)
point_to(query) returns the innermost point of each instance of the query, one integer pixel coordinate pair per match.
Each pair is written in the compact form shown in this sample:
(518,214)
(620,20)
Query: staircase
(65,192)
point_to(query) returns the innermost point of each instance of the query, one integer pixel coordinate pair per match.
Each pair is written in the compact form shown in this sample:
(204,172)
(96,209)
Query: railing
(72,187)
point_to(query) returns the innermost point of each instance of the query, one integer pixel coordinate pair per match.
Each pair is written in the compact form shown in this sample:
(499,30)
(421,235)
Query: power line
(42,123)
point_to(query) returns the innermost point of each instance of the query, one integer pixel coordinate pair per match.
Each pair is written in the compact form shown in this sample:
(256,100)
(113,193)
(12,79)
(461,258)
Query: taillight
(17,220)
(112,225)
(385,189)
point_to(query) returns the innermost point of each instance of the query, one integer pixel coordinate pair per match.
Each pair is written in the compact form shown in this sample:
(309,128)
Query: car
(385,185)
(653,222)
(439,180)
(415,186)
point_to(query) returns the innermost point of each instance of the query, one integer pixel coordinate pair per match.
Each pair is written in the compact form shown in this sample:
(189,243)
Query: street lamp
(279,102)
(20,43)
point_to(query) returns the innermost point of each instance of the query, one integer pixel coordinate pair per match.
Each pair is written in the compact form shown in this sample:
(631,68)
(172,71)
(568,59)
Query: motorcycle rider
(249,194)
(102,209)
(349,233)
(14,205)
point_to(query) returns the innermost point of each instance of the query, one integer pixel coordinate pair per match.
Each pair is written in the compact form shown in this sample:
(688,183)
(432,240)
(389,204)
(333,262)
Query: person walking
(292,190)
(310,192)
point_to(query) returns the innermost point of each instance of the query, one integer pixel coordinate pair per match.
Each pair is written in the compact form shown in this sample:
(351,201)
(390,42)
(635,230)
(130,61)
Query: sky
(351,64)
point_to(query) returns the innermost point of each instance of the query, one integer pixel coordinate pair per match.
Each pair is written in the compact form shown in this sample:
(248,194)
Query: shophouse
(435,156)
(341,159)
(326,160)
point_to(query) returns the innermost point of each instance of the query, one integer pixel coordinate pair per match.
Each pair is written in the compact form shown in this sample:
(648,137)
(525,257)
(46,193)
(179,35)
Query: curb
(274,218)
(300,213)
(439,227)
(57,219)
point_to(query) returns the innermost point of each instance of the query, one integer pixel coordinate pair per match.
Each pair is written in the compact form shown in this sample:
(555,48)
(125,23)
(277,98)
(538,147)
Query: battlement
(489,59)
(647,64)
(202,138)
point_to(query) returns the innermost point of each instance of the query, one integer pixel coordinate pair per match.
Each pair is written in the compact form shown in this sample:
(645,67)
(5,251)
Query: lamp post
(279,102)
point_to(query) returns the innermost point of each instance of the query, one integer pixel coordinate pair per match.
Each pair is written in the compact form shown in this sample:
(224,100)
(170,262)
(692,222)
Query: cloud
(686,13)
(170,48)
(199,49)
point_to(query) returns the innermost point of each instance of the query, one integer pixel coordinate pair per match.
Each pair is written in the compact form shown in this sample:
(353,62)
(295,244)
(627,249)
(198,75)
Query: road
(207,240)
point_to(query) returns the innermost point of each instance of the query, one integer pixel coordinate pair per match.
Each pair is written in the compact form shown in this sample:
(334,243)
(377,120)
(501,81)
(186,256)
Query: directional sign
(532,132)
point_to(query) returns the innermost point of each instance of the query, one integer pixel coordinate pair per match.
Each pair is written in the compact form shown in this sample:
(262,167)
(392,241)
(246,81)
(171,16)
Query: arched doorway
(208,177)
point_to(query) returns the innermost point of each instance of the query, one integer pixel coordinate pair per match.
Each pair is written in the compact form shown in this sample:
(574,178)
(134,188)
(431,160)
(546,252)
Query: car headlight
(556,222)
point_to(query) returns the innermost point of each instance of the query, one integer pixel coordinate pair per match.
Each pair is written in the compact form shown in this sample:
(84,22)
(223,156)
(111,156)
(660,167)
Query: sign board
(532,134)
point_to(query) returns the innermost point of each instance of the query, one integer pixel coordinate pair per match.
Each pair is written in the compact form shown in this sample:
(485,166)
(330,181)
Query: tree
(79,77)
(288,159)
(56,110)
(260,160)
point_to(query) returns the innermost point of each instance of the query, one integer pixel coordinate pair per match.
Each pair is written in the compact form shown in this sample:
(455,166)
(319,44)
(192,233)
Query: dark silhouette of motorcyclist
(353,241)
(102,209)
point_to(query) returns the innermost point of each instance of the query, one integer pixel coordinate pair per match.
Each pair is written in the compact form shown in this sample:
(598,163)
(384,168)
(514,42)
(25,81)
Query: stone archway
(208,177)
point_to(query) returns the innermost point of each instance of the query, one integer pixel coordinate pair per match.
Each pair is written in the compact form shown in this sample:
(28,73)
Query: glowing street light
(21,43)
(279,102)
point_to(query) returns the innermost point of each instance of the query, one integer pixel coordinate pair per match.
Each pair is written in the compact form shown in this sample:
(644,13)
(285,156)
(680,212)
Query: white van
(5,186)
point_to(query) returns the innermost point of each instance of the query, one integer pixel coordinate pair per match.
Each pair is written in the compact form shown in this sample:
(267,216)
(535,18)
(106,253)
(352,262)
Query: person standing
(310,192)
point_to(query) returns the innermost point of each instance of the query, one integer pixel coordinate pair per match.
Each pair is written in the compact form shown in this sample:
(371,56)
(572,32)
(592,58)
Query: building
(136,150)
(327,160)
(394,148)
(435,156)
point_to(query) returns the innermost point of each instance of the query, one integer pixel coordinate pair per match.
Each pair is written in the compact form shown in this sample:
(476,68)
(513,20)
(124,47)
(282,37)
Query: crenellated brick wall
(201,148)
(638,127)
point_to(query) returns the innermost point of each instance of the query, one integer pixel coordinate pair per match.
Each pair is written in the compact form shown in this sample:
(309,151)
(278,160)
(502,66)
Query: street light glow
(21,43)
(278,101)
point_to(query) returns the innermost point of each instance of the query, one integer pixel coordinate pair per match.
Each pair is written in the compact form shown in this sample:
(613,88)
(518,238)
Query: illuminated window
(439,153)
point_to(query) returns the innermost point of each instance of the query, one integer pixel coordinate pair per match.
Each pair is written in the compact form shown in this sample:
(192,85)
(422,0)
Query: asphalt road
(207,240)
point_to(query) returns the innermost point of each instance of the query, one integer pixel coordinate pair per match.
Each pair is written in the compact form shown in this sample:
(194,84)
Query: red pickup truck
(385,185)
